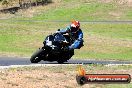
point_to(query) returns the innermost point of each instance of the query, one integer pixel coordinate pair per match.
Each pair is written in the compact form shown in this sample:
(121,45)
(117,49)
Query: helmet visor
(74,29)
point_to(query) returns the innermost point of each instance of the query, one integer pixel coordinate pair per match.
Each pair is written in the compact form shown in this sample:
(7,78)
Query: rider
(75,33)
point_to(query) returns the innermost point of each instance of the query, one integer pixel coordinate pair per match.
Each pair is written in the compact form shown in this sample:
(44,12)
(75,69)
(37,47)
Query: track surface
(7,61)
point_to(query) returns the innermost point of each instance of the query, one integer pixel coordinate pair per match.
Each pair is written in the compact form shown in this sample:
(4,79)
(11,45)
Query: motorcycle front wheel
(36,57)
(60,62)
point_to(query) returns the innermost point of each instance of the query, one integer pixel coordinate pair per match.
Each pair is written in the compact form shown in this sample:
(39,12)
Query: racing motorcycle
(55,48)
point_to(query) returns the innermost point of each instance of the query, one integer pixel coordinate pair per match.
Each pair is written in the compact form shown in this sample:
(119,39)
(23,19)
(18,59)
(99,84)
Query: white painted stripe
(118,65)
(35,65)
(50,65)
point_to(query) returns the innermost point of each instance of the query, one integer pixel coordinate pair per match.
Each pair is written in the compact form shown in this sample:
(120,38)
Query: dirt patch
(30,12)
(106,1)
(51,77)
(38,79)
(120,2)
(116,14)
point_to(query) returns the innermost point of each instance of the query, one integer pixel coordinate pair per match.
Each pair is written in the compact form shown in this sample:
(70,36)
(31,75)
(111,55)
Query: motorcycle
(55,48)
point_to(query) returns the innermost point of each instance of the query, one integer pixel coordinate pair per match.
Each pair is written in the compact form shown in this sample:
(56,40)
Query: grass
(102,41)
(74,13)
(92,10)
(119,31)
(107,42)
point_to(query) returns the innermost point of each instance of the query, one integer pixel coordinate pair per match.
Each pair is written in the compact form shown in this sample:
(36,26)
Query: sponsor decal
(83,78)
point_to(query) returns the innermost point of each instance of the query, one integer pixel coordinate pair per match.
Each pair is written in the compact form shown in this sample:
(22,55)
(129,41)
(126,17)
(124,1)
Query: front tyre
(61,61)
(35,58)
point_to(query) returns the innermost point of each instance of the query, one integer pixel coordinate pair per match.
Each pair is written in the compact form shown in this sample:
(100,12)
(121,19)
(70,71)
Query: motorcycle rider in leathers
(75,33)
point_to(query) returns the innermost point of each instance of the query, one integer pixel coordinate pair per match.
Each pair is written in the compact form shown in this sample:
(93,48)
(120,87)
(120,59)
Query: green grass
(119,31)
(24,38)
(102,41)
(69,13)
(93,10)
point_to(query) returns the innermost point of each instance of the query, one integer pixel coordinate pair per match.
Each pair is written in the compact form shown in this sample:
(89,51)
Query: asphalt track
(7,61)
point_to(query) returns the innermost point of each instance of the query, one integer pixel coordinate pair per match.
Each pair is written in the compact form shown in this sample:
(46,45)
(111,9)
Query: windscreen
(59,37)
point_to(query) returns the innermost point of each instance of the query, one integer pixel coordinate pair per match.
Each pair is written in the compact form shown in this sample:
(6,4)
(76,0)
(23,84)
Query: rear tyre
(35,58)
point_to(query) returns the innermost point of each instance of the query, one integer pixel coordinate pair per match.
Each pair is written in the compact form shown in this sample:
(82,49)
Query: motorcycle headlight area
(49,43)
